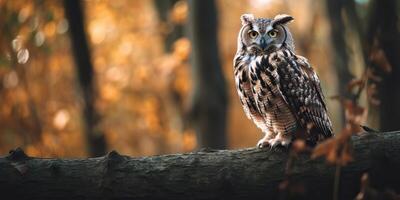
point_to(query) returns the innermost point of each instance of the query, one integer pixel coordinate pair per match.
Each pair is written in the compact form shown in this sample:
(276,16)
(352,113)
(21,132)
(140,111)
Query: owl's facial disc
(264,39)
(262,35)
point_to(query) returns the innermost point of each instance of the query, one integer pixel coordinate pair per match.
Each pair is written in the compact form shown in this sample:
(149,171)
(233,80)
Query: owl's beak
(263,43)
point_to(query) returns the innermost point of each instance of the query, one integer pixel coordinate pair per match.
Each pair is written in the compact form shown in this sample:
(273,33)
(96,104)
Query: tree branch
(207,174)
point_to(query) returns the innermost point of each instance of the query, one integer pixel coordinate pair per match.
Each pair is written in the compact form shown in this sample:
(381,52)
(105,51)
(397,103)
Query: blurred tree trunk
(172,103)
(173,31)
(376,37)
(95,138)
(383,26)
(361,26)
(209,99)
(340,56)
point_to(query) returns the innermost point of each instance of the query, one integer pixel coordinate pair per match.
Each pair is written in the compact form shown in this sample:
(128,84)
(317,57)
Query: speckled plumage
(278,89)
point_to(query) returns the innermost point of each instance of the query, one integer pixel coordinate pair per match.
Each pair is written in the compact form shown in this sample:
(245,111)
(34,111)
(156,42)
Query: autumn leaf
(299,146)
(378,57)
(323,148)
(336,150)
(355,83)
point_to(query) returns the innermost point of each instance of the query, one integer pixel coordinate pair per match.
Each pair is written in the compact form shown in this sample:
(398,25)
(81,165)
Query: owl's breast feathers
(281,92)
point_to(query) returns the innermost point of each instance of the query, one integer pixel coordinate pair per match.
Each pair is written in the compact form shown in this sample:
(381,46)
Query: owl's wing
(309,72)
(301,89)
(244,89)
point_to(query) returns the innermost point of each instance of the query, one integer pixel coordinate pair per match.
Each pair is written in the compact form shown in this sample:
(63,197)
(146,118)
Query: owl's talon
(280,146)
(263,144)
(279,142)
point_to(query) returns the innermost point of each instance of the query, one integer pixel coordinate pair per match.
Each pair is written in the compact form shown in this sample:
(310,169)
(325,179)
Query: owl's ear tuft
(247,19)
(282,19)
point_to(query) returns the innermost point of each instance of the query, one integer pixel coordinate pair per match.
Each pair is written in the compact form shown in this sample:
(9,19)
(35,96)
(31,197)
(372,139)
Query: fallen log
(206,174)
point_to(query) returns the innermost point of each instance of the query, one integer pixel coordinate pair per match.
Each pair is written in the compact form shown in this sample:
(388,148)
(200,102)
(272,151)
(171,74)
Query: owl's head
(262,35)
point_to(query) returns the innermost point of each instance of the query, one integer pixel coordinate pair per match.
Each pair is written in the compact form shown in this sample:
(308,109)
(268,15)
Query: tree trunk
(171,100)
(384,26)
(340,55)
(381,32)
(207,174)
(209,99)
(341,59)
(95,138)
(175,31)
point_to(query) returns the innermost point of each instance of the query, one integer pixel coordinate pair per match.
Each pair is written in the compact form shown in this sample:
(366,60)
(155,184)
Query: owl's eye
(253,34)
(273,33)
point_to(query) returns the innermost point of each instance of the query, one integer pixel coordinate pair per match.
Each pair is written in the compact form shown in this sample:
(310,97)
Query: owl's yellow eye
(273,33)
(253,34)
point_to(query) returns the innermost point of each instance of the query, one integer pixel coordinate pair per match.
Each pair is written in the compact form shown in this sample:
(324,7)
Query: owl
(279,90)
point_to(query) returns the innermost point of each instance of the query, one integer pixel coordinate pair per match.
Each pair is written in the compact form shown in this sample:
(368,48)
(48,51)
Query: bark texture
(207,174)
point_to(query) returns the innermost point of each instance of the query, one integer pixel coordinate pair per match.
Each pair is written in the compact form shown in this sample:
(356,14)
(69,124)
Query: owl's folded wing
(301,89)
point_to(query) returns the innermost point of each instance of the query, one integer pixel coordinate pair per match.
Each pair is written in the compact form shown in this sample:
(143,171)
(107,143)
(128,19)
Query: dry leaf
(299,146)
(355,83)
(322,148)
(378,57)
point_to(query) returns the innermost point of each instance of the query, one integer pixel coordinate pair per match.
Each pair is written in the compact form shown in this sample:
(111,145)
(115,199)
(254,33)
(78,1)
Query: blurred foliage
(143,90)
(39,110)
(134,75)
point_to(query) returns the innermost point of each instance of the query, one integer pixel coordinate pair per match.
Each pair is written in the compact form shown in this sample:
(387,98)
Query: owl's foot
(263,143)
(279,141)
